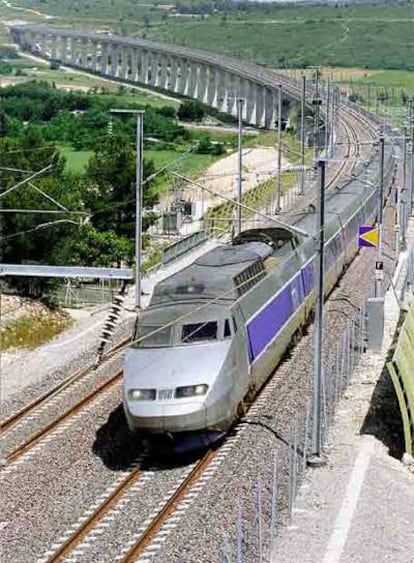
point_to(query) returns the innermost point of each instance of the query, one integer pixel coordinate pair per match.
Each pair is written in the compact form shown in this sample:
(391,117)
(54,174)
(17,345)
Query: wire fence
(79,294)
(273,495)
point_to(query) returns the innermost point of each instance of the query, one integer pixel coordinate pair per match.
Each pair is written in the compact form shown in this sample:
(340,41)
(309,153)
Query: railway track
(25,428)
(188,478)
(183,492)
(92,521)
(46,430)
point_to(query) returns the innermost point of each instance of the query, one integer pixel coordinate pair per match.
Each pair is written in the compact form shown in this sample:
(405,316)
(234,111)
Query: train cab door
(239,352)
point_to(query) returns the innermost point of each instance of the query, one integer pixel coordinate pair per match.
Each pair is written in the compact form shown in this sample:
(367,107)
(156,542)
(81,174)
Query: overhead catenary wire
(39,227)
(243,205)
(26,180)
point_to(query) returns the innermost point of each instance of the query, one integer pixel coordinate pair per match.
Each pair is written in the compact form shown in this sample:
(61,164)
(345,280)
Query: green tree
(111,191)
(205,146)
(191,111)
(38,237)
(90,247)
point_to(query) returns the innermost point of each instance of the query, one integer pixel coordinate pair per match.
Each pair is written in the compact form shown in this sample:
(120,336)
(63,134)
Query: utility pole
(138,197)
(379,271)
(316,103)
(302,135)
(411,125)
(240,164)
(333,118)
(279,150)
(317,458)
(402,197)
(138,207)
(328,116)
(381,191)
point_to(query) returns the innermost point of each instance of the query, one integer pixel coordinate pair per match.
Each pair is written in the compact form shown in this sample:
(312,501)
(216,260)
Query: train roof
(182,313)
(212,275)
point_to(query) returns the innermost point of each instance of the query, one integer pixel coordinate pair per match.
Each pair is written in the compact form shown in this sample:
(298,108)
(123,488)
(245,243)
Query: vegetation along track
(25,428)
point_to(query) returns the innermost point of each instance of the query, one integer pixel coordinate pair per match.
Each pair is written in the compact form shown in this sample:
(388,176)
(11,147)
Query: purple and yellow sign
(368,235)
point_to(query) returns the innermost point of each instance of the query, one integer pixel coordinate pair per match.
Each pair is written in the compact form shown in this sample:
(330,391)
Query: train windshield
(199,332)
(152,336)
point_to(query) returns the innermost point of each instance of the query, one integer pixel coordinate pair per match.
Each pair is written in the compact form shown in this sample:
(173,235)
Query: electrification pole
(381,191)
(410,209)
(317,457)
(379,272)
(335,95)
(138,208)
(302,135)
(138,197)
(402,199)
(279,150)
(240,164)
(328,116)
(316,103)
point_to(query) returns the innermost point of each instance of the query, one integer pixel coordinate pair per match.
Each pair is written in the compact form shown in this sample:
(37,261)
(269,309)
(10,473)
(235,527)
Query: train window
(161,336)
(198,332)
(227,331)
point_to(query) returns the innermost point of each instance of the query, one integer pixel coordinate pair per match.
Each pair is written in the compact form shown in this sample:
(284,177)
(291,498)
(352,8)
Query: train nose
(169,389)
(162,418)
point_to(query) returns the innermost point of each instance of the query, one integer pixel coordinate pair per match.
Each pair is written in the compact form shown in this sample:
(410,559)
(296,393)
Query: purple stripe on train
(268,322)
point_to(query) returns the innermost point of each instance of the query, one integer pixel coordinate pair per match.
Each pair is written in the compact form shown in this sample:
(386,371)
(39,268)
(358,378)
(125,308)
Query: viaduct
(212,79)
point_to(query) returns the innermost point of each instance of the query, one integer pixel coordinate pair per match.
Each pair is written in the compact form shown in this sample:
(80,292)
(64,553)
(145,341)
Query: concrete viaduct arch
(212,79)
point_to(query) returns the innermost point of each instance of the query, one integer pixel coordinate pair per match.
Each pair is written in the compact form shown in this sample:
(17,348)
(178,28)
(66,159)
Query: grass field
(78,80)
(188,164)
(76,161)
(371,36)
(332,40)
(388,79)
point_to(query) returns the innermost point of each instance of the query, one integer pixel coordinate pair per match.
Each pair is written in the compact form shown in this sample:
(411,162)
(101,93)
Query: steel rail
(69,545)
(52,393)
(112,499)
(168,508)
(72,411)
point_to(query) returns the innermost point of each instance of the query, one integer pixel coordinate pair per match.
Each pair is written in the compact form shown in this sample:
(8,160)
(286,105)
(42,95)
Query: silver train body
(214,332)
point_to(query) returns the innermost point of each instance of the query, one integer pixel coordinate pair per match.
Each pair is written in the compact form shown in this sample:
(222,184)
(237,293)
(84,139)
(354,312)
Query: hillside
(377,35)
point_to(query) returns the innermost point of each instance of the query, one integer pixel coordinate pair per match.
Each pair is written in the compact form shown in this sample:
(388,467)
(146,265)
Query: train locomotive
(214,331)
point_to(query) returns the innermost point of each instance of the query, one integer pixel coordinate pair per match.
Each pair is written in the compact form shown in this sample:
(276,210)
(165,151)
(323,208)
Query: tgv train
(214,331)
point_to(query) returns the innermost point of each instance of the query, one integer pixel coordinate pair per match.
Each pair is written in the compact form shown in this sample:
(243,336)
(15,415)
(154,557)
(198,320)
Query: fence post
(259,517)
(306,439)
(290,474)
(239,540)
(273,513)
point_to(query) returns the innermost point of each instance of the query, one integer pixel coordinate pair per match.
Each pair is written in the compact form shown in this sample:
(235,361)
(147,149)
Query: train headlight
(191,391)
(142,394)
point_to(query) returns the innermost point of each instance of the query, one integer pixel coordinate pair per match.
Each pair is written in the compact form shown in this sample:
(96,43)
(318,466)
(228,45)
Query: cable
(45,147)
(38,227)
(146,181)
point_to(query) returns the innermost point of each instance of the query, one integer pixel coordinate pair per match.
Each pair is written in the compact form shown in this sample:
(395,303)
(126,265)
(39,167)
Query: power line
(39,227)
